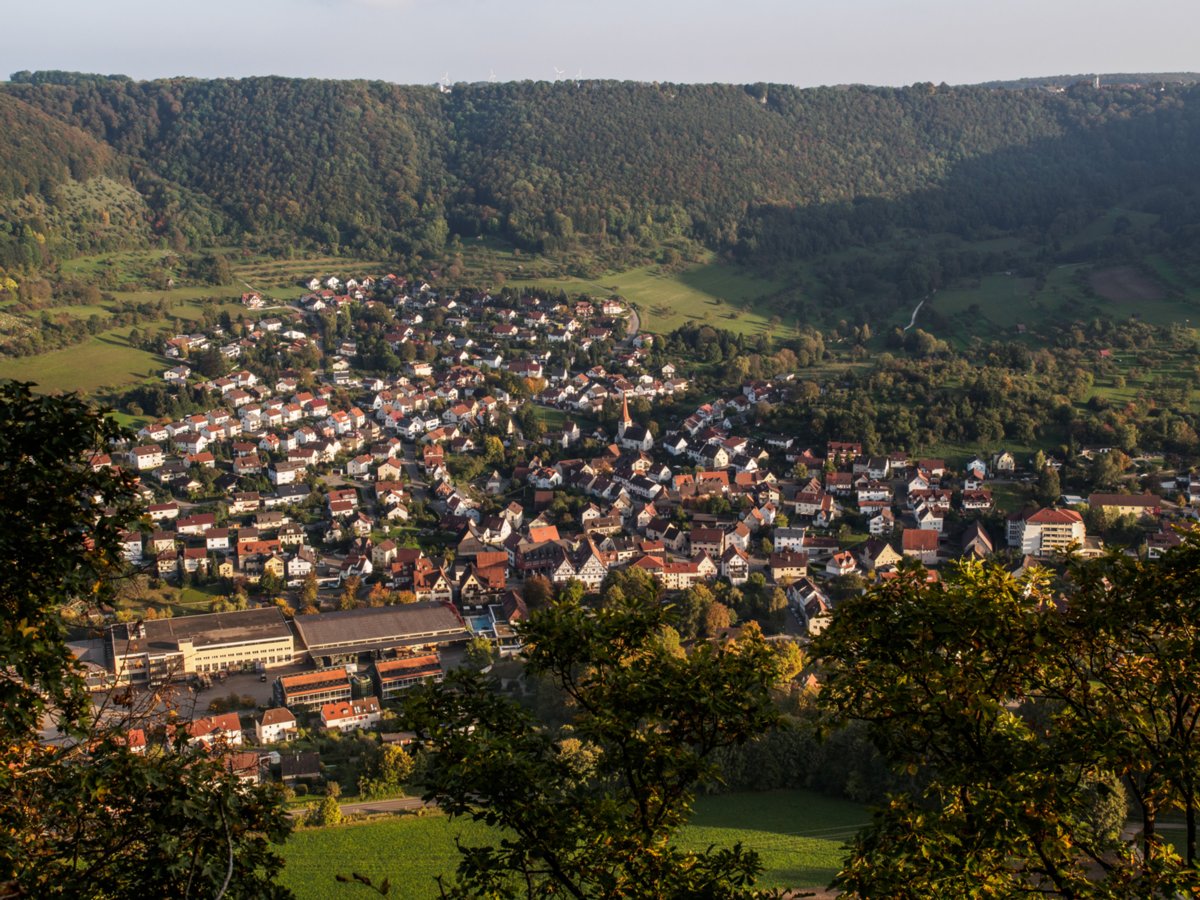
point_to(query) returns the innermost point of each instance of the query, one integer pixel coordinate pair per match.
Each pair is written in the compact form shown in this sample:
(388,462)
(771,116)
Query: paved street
(368,807)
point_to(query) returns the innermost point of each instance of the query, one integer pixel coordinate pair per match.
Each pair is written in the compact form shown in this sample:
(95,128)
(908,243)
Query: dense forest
(761,171)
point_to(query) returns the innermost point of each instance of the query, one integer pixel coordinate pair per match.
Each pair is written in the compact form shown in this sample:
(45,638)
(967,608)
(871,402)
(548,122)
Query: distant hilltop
(1106,80)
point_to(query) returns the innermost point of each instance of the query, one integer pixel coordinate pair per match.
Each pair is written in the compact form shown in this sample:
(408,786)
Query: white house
(275,726)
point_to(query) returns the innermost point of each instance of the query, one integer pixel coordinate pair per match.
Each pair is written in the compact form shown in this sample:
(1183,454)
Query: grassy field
(103,360)
(710,293)
(798,834)
(996,303)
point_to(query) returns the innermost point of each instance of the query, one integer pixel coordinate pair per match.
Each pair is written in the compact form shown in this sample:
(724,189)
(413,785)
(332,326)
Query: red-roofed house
(921,544)
(225,729)
(346,715)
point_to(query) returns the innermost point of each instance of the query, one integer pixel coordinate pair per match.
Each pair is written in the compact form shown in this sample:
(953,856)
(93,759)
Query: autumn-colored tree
(717,617)
(349,596)
(480,653)
(84,817)
(379,595)
(537,592)
(1017,715)
(1128,671)
(309,590)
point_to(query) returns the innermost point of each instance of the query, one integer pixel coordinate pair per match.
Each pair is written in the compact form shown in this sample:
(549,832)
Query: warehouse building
(371,633)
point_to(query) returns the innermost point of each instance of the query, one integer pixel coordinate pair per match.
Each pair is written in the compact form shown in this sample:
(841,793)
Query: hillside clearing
(711,293)
(1125,284)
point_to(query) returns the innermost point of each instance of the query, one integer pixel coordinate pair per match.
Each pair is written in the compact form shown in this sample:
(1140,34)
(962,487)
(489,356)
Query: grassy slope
(799,835)
(103,360)
(711,293)
(107,360)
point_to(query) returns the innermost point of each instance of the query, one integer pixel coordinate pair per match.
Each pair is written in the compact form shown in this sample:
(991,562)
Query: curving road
(913,320)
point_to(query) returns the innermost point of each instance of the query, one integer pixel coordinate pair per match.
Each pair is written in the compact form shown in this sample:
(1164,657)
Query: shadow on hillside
(1041,191)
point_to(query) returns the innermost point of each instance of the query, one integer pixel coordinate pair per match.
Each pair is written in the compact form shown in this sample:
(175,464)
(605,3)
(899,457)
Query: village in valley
(360,533)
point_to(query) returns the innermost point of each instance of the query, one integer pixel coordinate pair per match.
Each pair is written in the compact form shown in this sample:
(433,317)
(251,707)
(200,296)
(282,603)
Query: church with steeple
(629,435)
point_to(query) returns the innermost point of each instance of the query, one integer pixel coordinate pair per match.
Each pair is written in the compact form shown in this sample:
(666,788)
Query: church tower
(626,421)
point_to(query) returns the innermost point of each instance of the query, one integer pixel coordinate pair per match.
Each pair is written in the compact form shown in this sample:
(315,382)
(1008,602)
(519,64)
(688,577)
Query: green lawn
(555,419)
(280,277)
(135,263)
(106,359)
(76,312)
(799,835)
(1010,497)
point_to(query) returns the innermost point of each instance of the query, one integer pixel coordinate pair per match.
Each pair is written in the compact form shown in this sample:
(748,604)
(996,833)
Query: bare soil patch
(1125,284)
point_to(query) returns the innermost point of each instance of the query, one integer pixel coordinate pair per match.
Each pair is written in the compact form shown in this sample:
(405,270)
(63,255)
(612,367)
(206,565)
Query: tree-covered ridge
(331,161)
(767,170)
(64,192)
(624,158)
(40,157)
(39,151)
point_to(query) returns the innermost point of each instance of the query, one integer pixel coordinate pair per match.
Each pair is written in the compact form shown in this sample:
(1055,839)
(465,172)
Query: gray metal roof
(379,625)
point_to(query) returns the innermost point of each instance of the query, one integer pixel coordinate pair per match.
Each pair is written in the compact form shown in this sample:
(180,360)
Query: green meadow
(103,360)
(798,834)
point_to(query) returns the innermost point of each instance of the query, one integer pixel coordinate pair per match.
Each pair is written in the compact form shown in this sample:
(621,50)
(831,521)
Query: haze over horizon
(419,41)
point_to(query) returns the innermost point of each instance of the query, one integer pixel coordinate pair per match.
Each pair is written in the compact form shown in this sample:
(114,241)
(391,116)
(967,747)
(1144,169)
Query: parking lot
(248,684)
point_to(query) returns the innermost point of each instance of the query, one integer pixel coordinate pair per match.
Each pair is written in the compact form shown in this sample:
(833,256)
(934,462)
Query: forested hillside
(65,191)
(41,158)
(763,171)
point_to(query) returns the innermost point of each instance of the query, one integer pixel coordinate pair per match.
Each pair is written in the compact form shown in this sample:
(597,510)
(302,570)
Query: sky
(802,42)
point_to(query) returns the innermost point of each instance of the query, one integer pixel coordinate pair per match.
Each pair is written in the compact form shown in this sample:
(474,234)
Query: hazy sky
(803,42)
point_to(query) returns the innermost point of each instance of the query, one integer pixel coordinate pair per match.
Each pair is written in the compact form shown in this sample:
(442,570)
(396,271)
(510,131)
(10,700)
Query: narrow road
(400,804)
(635,322)
(913,320)
(370,807)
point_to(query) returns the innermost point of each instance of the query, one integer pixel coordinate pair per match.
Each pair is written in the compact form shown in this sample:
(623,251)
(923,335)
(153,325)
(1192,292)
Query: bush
(329,812)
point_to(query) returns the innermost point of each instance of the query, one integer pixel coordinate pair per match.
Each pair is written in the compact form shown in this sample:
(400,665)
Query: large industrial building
(161,649)
(357,635)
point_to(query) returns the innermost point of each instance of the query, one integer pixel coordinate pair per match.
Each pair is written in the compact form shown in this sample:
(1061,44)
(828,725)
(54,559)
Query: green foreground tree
(589,811)
(1023,717)
(84,817)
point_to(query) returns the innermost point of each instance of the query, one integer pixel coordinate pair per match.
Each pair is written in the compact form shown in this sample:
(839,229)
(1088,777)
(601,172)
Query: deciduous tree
(84,817)
(651,718)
